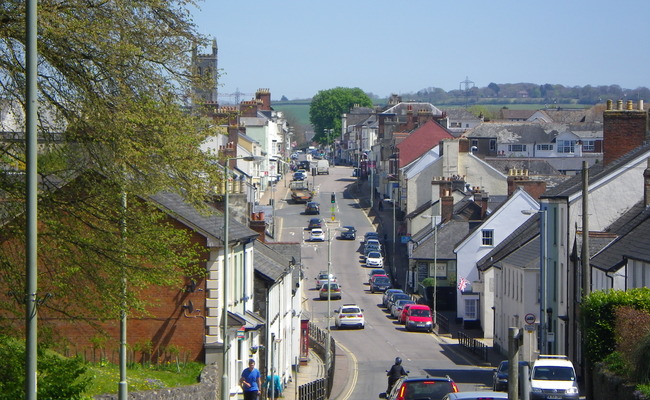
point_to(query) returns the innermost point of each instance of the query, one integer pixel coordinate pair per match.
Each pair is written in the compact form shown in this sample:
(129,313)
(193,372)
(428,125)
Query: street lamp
(225,388)
(543,276)
(434,221)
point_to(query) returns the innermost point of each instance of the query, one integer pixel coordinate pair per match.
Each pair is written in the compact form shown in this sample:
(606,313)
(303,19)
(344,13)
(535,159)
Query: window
(488,237)
(566,146)
(516,147)
(470,309)
(589,145)
(493,144)
(545,147)
(475,143)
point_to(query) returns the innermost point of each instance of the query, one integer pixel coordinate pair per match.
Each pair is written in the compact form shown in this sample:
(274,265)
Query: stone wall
(206,389)
(608,386)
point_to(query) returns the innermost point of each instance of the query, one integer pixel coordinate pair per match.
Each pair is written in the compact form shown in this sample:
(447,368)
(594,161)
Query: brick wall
(623,131)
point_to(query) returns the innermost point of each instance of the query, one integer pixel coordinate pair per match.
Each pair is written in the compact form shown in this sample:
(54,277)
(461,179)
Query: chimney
(446,206)
(481,198)
(265,96)
(248,108)
(646,182)
(424,116)
(259,226)
(518,178)
(623,131)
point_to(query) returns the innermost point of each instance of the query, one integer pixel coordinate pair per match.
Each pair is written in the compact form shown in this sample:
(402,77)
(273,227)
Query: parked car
(348,233)
(380,283)
(553,377)
(370,235)
(418,318)
(387,294)
(317,235)
(430,388)
(482,395)
(371,247)
(402,316)
(373,242)
(394,297)
(299,176)
(349,315)
(315,223)
(312,208)
(374,259)
(334,290)
(500,376)
(375,271)
(324,277)
(397,306)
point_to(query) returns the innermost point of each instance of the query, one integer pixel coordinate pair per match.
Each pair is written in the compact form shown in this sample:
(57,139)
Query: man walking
(251,381)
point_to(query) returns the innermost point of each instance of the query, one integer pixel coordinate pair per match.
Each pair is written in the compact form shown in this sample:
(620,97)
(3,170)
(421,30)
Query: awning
(250,321)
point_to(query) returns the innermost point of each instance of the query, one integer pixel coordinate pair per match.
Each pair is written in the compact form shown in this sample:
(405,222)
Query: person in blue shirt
(273,386)
(251,381)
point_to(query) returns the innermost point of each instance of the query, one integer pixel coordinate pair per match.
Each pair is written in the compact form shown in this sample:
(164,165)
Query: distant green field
(297,111)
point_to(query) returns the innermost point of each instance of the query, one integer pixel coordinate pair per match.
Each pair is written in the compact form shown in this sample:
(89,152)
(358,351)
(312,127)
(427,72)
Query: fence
(443,323)
(320,389)
(475,346)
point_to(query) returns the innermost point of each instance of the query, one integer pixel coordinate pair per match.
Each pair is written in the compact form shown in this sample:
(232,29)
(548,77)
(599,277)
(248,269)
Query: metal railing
(319,389)
(475,346)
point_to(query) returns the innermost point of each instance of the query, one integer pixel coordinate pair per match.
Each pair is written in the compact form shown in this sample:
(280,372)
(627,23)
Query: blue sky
(297,47)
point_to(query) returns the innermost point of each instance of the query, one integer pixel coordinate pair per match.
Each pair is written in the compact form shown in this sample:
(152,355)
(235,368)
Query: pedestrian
(251,381)
(273,386)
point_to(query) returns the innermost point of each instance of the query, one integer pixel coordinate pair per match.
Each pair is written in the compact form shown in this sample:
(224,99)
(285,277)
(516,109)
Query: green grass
(105,377)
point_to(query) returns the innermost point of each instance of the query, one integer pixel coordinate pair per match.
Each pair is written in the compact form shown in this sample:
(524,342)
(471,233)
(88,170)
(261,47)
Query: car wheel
(363,326)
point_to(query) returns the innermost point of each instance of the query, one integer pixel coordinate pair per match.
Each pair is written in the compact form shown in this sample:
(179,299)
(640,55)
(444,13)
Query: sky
(296,48)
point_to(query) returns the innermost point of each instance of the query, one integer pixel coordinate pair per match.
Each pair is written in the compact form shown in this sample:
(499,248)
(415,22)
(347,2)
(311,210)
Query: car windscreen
(419,312)
(381,280)
(553,373)
(427,390)
(351,310)
(374,254)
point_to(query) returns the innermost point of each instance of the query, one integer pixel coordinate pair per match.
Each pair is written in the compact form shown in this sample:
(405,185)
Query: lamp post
(225,388)
(543,276)
(329,304)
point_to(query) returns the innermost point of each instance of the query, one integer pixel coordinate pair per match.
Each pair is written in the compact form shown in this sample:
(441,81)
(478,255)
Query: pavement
(345,361)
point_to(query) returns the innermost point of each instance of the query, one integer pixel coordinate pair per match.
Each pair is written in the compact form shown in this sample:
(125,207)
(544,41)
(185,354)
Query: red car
(402,316)
(418,318)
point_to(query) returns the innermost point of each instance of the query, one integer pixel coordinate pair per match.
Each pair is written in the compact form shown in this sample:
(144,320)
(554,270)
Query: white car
(374,259)
(373,242)
(553,374)
(317,235)
(349,315)
(323,278)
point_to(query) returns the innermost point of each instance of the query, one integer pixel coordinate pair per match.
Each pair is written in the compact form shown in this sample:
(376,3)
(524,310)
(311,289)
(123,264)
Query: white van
(323,167)
(553,377)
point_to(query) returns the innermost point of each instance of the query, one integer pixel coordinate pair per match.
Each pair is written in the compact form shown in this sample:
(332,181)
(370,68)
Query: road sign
(530,318)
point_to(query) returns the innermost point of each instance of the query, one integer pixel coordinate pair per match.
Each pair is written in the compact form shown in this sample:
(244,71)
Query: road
(374,349)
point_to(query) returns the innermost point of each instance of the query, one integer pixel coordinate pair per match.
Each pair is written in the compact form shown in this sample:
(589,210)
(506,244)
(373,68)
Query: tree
(495,88)
(111,79)
(328,105)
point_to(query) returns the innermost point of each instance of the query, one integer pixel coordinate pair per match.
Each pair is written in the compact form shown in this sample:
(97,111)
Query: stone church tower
(206,66)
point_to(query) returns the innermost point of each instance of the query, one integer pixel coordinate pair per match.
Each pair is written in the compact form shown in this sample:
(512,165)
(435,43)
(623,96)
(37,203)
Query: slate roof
(402,108)
(516,132)
(521,247)
(455,114)
(449,235)
(535,166)
(633,242)
(421,140)
(269,262)
(516,114)
(566,115)
(210,224)
(596,172)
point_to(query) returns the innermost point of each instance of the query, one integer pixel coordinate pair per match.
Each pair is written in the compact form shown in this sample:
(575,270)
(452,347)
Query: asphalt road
(375,347)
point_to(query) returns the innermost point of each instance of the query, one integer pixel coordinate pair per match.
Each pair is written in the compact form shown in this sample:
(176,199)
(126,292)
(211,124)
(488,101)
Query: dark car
(375,271)
(430,388)
(394,297)
(370,235)
(312,208)
(315,223)
(348,233)
(299,176)
(387,294)
(500,377)
(380,283)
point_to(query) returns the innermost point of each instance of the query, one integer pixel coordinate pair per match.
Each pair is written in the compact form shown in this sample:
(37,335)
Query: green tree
(326,109)
(58,378)
(495,88)
(112,120)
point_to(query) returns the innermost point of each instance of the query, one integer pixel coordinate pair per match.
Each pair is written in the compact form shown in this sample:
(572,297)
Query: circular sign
(530,319)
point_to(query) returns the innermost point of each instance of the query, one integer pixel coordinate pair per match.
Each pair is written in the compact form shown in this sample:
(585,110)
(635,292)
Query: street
(374,348)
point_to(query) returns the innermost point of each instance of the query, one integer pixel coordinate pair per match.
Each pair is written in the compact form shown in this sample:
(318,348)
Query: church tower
(206,66)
